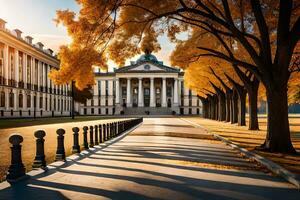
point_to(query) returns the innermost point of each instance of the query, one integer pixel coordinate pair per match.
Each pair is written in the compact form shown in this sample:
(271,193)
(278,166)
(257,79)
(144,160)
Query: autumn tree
(267,31)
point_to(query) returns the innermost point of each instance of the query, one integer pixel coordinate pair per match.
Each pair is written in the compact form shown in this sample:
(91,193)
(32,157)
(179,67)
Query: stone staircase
(143,111)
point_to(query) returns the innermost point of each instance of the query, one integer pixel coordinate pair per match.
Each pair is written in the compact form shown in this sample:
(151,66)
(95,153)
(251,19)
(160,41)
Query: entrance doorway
(146,97)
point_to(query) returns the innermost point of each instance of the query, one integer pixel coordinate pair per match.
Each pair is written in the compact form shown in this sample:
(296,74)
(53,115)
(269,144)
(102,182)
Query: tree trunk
(228,105)
(242,108)
(278,132)
(234,106)
(253,119)
(216,107)
(222,107)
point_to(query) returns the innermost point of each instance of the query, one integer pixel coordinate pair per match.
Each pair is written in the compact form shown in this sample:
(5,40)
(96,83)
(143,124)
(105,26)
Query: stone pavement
(155,162)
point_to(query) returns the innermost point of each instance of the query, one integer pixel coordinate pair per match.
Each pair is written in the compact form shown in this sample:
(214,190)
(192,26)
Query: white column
(33,81)
(7,99)
(25,70)
(44,101)
(179,92)
(38,101)
(152,93)
(117,91)
(44,75)
(175,92)
(140,97)
(24,100)
(48,79)
(52,102)
(128,100)
(16,98)
(164,93)
(102,101)
(6,63)
(95,88)
(17,67)
(110,92)
(39,75)
(32,100)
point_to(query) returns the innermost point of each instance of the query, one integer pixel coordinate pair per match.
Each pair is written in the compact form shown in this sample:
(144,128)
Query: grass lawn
(250,139)
(12,123)
(27,127)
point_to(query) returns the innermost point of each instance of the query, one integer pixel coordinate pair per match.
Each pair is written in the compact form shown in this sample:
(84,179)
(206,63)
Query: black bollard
(115,129)
(111,130)
(107,131)
(85,140)
(104,132)
(16,169)
(96,135)
(76,147)
(100,134)
(91,136)
(39,160)
(60,151)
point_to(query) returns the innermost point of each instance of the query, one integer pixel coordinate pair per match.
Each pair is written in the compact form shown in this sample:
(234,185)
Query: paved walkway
(149,164)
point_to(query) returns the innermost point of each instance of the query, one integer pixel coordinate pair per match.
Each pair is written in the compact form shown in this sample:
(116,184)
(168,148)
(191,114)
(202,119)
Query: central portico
(146,86)
(147,83)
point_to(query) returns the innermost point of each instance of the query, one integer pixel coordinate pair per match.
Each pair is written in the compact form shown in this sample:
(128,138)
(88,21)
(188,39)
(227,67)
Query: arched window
(20,100)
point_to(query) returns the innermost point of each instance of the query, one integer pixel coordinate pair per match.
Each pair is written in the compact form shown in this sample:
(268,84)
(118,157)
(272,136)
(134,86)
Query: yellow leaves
(76,64)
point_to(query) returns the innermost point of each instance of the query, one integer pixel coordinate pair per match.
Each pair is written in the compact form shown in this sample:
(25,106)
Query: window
(2,99)
(124,91)
(11,99)
(114,89)
(147,67)
(99,88)
(92,102)
(28,101)
(99,111)
(41,102)
(169,92)
(20,100)
(92,111)
(182,89)
(106,88)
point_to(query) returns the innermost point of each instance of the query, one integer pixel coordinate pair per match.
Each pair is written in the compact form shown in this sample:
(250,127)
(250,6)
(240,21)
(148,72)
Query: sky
(35,18)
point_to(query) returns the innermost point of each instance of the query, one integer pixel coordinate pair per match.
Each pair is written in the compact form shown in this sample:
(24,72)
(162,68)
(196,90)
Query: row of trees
(232,48)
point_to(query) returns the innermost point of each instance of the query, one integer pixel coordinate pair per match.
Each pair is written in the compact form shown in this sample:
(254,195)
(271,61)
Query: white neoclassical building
(146,86)
(25,88)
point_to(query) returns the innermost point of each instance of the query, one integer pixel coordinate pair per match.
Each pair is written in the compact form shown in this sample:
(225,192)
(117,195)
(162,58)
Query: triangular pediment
(147,67)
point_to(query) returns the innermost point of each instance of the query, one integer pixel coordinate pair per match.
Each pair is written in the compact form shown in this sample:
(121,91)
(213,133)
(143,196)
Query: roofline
(28,45)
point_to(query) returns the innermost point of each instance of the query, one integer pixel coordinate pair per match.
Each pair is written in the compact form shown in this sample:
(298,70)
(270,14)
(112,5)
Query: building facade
(146,86)
(25,88)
